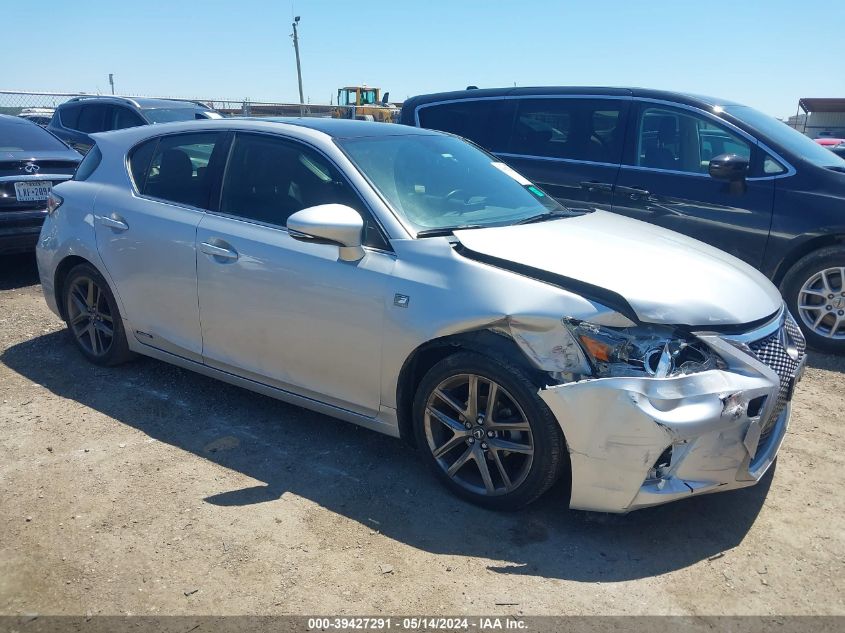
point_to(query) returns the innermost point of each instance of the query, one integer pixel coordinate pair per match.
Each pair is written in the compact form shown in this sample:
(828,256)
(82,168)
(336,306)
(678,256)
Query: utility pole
(298,67)
(111,81)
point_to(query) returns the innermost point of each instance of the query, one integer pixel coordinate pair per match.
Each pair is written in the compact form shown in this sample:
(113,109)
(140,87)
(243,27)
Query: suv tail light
(53,203)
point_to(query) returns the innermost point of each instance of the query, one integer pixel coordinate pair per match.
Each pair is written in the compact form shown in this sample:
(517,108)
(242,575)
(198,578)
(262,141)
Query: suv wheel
(814,289)
(486,433)
(93,317)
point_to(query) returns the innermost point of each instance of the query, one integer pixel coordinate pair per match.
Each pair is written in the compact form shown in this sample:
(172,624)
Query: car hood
(646,272)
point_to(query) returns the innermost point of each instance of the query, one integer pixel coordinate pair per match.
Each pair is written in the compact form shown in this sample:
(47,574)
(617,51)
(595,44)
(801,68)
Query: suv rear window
(69,116)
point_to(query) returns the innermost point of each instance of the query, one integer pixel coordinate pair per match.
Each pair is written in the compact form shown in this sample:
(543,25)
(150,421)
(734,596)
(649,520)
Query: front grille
(772,352)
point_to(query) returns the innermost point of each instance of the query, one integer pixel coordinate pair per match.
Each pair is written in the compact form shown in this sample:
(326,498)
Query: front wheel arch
(424,357)
(792,288)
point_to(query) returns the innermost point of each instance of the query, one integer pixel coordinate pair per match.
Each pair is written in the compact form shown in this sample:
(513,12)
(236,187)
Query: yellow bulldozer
(365,104)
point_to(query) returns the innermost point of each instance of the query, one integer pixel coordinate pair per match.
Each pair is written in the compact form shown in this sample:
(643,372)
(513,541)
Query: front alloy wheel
(484,430)
(821,303)
(814,289)
(478,434)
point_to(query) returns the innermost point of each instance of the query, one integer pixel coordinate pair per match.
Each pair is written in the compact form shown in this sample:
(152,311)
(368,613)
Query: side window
(177,170)
(268,180)
(93,117)
(70,116)
(681,141)
(89,164)
(478,121)
(577,129)
(123,117)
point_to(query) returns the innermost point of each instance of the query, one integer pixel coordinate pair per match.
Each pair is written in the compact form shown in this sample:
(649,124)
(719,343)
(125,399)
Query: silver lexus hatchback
(407,281)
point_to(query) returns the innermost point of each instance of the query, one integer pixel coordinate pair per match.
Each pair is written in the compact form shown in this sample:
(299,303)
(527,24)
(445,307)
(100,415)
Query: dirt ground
(146,489)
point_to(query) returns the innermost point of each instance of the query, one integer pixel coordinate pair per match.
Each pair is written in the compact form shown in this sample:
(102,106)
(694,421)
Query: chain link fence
(15,103)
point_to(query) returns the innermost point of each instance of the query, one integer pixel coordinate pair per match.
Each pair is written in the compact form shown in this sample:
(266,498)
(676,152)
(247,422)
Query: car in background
(715,170)
(409,282)
(40,116)
(32,161)
(76,119)
(835,145)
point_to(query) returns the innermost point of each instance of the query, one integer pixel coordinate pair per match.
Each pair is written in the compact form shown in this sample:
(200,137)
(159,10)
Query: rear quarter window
(139,162)
(89,164)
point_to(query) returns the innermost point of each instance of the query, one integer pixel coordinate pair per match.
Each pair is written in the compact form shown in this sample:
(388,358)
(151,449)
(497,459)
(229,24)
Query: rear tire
(501,455)
(93,318)
(814,289)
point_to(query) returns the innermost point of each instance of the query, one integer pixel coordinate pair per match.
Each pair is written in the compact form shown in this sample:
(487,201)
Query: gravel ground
(146,489)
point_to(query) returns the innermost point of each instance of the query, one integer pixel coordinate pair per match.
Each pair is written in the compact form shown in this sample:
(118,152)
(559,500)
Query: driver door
(664,180)
(281,311)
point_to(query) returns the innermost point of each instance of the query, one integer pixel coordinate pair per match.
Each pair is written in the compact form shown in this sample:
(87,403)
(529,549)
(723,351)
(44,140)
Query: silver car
(406,281)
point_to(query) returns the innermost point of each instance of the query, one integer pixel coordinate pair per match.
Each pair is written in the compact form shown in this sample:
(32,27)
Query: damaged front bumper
(639,442)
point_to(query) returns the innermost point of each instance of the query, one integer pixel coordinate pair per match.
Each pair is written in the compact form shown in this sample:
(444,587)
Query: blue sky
(766,53)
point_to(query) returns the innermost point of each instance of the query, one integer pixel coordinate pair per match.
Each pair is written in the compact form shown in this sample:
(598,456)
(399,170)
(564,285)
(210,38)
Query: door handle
(593,185)
(114,221)
(223,252)
(634,192)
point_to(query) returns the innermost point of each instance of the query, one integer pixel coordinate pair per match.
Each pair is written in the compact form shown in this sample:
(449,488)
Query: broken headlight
(642,351)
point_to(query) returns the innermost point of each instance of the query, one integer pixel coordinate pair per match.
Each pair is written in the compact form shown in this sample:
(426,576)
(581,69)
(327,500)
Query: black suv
(78,117)
(718,171)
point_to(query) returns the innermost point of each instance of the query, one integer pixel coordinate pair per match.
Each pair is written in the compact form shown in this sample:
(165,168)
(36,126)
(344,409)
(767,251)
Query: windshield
(441,182)
(166,115)
(25,136)
(786,137)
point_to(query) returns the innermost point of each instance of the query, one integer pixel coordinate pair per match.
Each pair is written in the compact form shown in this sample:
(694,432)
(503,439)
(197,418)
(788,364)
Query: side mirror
(330,224)
(730,167)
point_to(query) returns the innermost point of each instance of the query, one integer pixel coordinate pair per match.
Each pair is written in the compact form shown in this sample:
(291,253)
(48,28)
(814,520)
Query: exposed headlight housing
(642,350)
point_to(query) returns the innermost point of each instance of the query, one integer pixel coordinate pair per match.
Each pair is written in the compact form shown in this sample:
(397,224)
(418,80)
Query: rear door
(569,146)
(664,180)
(146,237)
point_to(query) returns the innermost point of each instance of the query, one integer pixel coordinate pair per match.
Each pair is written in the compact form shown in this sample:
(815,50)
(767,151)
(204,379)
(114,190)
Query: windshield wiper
(447,230)
(548,215)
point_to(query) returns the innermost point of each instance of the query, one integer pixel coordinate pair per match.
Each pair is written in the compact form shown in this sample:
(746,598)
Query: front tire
(814,289)
(93,317)
(485,432)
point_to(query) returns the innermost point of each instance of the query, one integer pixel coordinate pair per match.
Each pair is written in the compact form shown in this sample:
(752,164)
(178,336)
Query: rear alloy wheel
(486,433)
(93,318)
(815,291)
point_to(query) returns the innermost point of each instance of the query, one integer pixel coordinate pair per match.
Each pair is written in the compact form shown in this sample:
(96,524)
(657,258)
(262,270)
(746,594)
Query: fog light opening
(755,406)
(661,467)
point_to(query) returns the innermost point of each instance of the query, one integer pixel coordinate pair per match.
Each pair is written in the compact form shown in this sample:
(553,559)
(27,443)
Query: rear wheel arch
(62,270)
(423,358)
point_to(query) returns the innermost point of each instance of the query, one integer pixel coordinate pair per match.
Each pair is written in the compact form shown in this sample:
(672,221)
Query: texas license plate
(33,191)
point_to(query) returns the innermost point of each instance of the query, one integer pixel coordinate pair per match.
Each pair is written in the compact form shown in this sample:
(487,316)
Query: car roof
(144,103)
(661,95)
(302,127)
(349,128)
